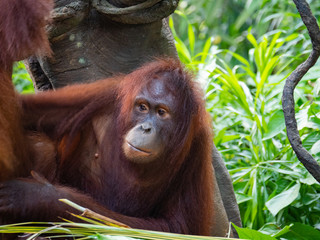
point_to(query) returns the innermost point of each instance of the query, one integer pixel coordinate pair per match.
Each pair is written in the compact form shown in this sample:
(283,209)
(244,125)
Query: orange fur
(85,163)
(22,33)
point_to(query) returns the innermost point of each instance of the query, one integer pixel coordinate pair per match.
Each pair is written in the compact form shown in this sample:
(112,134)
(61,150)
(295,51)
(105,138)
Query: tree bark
(288,99)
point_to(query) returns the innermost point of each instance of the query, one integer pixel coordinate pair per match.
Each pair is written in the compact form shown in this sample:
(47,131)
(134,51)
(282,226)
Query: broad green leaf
(315,148)
(275,126)
(218,138)
(245,233)
(309,141)
(313,73)
(300,231)
(227,138)
(309,180)
(302,118)
(283,199)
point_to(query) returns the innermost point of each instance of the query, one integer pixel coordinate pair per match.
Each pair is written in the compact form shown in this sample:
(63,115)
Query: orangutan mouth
(144,152)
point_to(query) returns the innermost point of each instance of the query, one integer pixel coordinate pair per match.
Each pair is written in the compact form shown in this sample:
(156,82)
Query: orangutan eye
(143,107)
(163,113)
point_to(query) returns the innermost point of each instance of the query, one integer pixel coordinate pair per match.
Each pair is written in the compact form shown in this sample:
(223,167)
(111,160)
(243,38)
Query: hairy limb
(48,111)
(21,33)
(41,203)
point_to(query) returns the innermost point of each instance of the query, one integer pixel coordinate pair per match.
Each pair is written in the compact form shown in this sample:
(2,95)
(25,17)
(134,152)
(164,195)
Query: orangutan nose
(146,127)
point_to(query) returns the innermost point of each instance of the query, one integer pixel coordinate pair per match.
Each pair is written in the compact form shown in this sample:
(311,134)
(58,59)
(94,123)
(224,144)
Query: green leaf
(247,13)
(300,231)
(316,88)
(315,148)
(309,180)
(309,141)
(303,118)
(283,199)
(283,231)
(271,49)
(245,233)
(312,74)
(182,50)
(227,138)
(191,38)
(252,39)
(239,58)
(292,37)
(275,126)
(171,25)
(265,74)
(241,198)
(206,49)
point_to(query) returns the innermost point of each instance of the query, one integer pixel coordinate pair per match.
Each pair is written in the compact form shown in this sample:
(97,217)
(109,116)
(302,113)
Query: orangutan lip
(137,149)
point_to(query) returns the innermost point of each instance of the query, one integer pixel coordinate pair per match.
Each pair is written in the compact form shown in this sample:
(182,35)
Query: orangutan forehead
(159,87)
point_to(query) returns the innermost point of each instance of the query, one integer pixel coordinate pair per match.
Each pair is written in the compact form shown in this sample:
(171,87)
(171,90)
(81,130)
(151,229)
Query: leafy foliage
(21,79)
(244,98)
(296,231)
(226,22)
(251,135)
